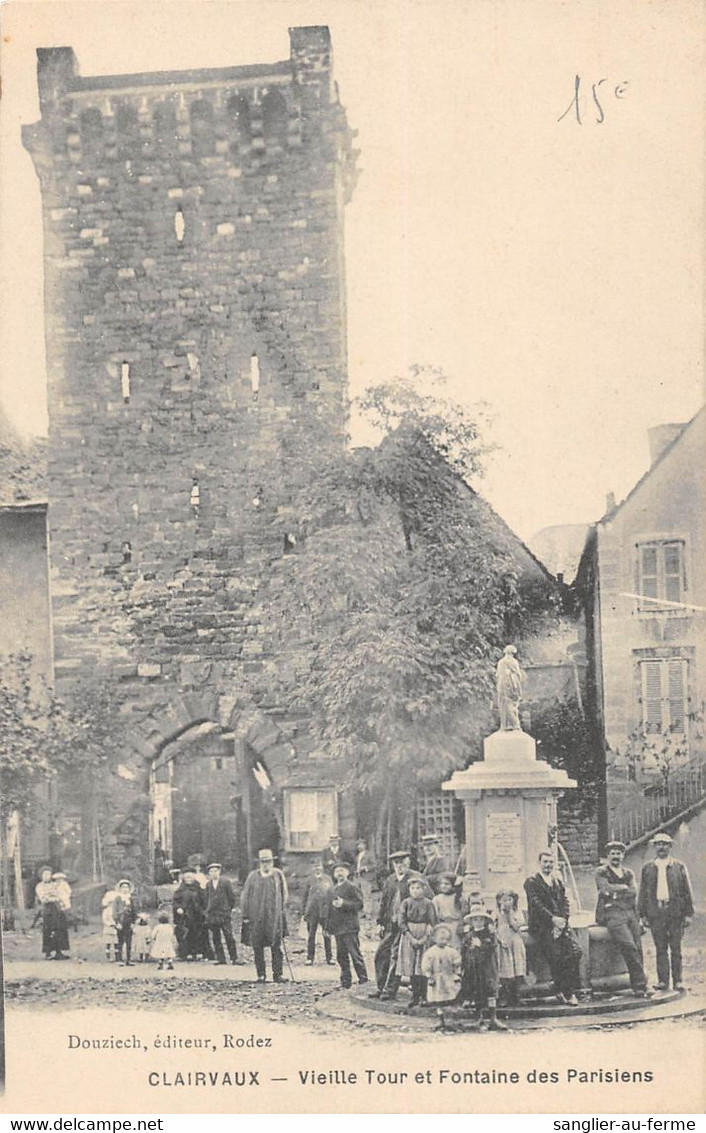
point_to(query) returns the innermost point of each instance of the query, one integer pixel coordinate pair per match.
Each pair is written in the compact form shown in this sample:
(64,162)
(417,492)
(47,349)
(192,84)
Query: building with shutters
(643,581)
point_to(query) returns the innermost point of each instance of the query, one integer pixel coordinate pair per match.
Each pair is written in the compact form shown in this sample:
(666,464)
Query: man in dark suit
(548,923)
(343,923)
(220,900)
(616,909)
(666,904)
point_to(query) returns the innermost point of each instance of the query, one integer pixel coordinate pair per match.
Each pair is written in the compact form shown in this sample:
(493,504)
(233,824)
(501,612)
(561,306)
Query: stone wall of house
(578,828)
(196,353)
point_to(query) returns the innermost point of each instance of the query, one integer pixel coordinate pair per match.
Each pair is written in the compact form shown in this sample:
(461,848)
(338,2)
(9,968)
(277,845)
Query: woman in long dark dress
(51,898)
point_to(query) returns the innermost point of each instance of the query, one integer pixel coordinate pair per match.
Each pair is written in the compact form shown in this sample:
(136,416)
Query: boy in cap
(344,925)
(616,909)
(124,915)
(666,904)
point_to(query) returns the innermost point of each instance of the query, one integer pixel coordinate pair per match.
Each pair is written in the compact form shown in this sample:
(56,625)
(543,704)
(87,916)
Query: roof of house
(664,455)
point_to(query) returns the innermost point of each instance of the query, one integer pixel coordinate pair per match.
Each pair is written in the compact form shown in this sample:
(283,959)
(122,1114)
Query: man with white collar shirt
(666,905)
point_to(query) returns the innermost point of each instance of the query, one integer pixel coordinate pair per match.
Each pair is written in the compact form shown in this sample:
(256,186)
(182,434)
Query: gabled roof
(610,516)
(505,539)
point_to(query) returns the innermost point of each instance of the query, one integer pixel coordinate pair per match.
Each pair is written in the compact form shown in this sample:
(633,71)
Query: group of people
(436,933)
(664,904)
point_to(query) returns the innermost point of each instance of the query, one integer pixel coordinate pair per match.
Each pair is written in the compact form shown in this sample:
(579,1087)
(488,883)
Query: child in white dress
(441,964)
(164,943)
(141,938)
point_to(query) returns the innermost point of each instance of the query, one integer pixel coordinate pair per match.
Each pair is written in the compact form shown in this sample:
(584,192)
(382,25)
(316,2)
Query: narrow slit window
(255,375)
(125,381)
(179,225)
(126,552)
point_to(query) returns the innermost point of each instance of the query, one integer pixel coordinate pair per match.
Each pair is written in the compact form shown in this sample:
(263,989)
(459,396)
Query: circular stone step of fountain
(612,1009)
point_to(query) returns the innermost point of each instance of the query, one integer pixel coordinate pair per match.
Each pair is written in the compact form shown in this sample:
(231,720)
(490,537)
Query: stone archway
(213,770)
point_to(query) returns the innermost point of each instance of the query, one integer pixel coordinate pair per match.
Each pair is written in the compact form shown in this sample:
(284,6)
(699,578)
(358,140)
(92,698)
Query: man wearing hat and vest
(435,865)
(220,900)
(666,905)
(616,909)
(394,892)
(344,925)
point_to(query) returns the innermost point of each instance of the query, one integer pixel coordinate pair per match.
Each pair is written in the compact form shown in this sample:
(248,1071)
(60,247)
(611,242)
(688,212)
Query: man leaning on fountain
(616,910)
(548,924)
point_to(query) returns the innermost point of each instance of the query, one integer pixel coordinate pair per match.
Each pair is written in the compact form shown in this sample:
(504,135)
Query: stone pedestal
(509,798)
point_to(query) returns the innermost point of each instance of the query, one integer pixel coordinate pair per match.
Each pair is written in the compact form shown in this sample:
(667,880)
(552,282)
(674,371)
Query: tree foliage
(402,592)
(25,758)
(44,735)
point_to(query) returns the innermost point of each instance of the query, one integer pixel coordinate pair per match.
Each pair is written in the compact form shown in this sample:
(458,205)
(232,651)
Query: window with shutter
(664,685)
(661,576)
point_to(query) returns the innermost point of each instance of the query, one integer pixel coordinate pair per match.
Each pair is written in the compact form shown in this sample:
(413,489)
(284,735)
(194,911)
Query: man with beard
(394,892)
(262,904)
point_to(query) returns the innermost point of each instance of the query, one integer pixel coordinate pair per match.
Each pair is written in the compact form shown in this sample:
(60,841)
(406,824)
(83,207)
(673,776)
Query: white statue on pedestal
(509,680)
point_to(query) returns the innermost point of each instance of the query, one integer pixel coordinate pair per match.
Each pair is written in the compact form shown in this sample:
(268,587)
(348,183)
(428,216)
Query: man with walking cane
(262,904)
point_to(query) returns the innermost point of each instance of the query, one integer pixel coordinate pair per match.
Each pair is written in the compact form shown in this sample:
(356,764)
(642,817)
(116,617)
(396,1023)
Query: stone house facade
(643,581)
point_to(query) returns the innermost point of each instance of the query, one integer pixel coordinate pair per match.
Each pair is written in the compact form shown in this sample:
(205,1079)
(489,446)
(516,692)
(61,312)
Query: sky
(553,268)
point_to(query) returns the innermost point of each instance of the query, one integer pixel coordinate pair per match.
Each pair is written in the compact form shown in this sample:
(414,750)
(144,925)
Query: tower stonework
(196,349)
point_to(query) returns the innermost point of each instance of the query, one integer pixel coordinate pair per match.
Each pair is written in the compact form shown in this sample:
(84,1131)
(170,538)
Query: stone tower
(196,348)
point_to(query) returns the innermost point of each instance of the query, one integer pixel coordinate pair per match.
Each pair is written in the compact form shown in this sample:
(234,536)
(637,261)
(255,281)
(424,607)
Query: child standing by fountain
(512,960)
(417,919)
(447,906)
(479,984)
(441,965)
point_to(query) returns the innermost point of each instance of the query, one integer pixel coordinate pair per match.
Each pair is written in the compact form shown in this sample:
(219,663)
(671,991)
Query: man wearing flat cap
(394,892)
(666,904)
(220,900)
(616,909)
(435,866)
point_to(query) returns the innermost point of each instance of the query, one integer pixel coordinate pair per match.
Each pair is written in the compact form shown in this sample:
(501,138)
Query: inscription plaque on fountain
(503,842)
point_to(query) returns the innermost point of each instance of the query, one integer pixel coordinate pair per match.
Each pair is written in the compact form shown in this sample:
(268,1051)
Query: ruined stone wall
(195,338)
